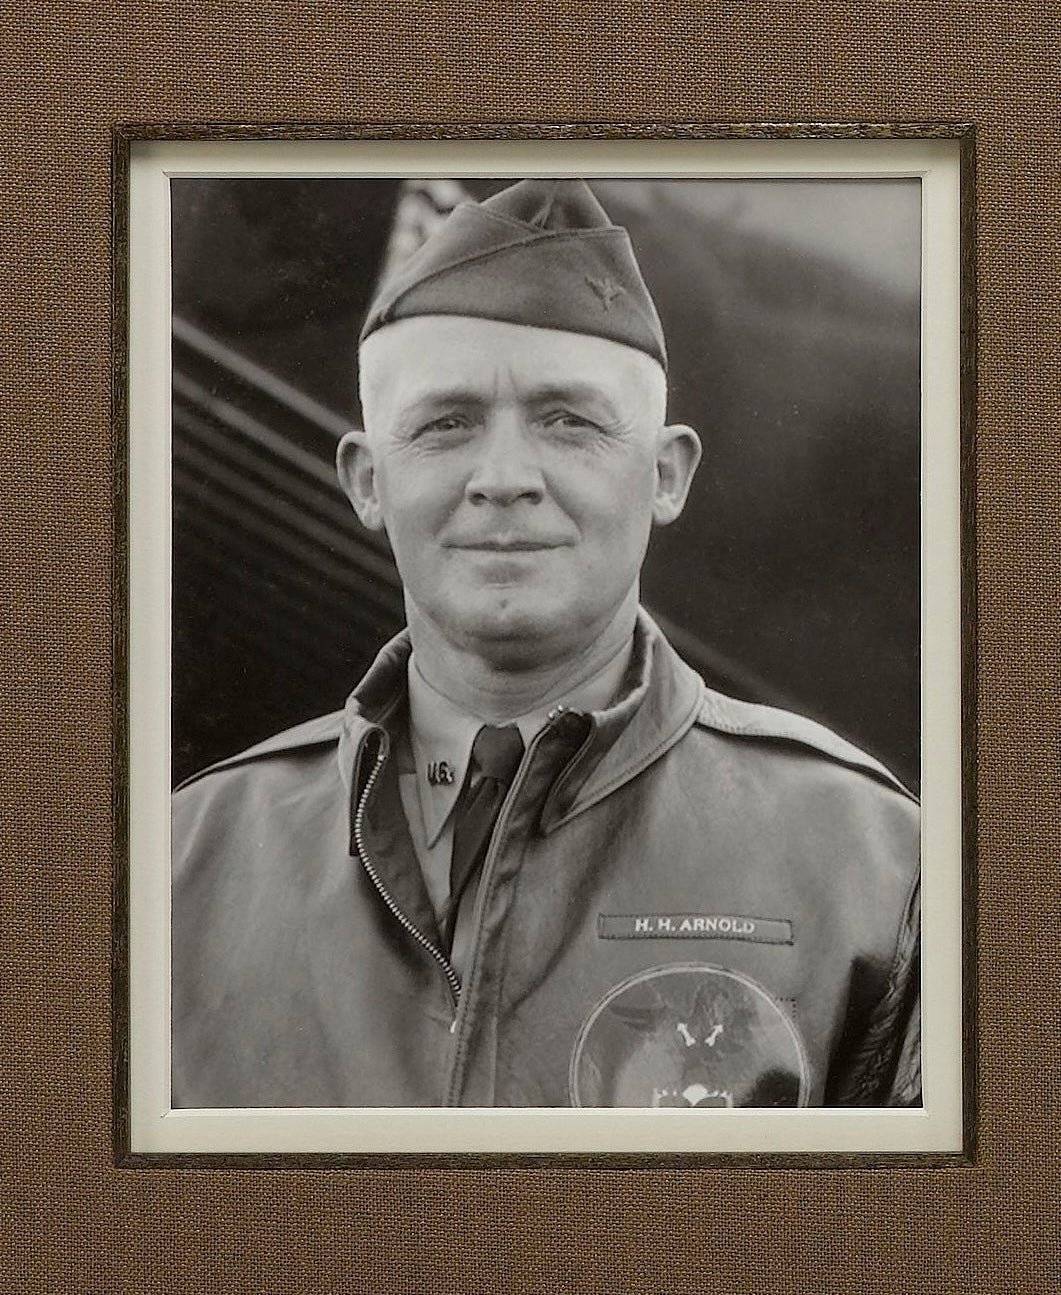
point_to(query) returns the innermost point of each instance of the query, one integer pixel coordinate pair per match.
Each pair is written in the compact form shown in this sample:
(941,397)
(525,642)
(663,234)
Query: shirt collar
(442,733)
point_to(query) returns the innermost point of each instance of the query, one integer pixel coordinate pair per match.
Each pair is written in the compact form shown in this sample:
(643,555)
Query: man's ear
(678,452)
(357,476)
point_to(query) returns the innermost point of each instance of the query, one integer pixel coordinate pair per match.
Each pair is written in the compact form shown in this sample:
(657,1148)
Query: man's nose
(506,468)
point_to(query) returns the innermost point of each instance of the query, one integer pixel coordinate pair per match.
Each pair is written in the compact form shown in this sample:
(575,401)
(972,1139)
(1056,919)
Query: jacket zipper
(384,894)
(392,905)
(481,893)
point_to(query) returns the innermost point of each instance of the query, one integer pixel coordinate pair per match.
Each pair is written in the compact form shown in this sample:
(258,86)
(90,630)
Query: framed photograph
(546,701)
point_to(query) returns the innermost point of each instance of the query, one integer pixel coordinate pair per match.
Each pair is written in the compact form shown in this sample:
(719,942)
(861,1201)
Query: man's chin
(511,635)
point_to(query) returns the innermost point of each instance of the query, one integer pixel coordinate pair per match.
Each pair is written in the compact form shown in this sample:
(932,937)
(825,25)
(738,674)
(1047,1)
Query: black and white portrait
(546,625)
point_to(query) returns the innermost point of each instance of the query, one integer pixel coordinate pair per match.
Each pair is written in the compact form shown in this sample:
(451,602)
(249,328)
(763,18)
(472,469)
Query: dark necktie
(496,753)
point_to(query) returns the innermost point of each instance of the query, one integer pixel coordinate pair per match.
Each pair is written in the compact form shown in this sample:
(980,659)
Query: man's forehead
(430,356)
(461,334)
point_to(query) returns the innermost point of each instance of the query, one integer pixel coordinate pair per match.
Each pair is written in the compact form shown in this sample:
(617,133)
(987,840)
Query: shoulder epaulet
(752,720)
(321,731)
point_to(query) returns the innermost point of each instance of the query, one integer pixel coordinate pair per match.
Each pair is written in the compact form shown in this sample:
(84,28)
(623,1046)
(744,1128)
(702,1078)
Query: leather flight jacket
(687,901)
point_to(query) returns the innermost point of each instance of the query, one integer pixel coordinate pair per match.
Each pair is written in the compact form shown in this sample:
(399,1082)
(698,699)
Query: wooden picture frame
(83,84)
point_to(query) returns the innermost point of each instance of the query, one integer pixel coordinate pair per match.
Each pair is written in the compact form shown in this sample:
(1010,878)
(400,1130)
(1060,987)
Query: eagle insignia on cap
(606,289)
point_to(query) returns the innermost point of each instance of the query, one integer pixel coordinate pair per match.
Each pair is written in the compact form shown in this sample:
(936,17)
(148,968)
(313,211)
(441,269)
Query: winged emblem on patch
(693,1036)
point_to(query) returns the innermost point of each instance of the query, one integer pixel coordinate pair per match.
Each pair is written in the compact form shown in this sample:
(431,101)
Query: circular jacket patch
(688,1035)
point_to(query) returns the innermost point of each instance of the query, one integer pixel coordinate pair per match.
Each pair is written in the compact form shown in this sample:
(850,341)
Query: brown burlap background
(70,1221)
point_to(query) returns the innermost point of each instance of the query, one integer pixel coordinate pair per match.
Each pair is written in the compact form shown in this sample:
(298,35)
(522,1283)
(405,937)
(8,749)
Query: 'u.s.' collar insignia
(606,289)
(689,1035)
(439,773)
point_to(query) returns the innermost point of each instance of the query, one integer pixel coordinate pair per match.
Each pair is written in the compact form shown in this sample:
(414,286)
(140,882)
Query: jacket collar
(658,702)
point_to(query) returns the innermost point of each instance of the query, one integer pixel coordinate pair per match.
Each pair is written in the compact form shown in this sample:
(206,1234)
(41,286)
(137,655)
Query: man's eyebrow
(573,390)
(546,391)
(432,396)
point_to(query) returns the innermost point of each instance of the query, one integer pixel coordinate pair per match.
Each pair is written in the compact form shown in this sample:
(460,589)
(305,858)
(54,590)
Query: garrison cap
(542,253)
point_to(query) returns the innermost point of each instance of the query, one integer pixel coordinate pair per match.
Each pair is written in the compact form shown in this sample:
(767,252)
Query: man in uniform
(535,861)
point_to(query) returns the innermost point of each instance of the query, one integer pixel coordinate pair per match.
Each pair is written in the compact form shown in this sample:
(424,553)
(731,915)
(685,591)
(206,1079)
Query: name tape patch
(693,926)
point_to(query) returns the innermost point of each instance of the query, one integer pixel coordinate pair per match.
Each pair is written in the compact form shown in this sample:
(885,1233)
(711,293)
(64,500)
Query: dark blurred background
(792,315)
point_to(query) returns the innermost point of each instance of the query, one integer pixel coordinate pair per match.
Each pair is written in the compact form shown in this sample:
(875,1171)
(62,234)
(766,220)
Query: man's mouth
(506,545)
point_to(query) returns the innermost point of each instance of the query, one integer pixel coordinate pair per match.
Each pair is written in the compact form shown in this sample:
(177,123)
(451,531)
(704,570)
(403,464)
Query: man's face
(517,472)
